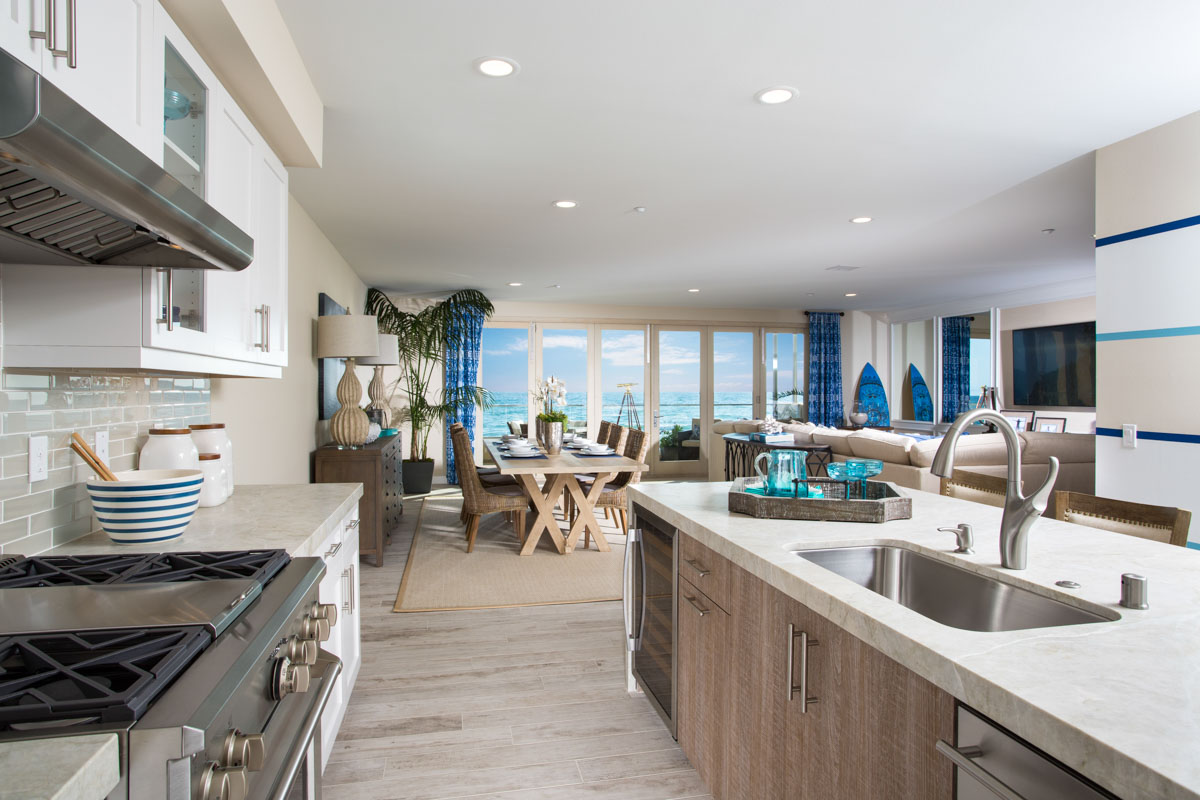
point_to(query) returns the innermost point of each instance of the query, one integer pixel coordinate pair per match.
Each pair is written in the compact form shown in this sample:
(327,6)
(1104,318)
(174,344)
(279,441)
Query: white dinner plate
(534,454)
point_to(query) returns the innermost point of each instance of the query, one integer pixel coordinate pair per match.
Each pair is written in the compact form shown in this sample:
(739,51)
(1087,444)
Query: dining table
(558,472)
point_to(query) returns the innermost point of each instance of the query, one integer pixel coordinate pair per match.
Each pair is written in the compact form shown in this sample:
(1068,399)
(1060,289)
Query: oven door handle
(632,640)
(295,759)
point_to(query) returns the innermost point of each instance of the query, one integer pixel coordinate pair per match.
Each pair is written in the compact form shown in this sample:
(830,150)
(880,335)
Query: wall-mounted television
(1055,365)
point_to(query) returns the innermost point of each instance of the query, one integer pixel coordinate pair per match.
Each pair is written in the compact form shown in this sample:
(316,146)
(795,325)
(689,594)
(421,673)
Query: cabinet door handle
(352,524)
(350,588)
(47,32)
(52,35)
(696,565)
(347,589)
(333,551)
(268,328)
(962,758)
(630,594)
(696,605)
(802,688)
(168,304)
(263,344)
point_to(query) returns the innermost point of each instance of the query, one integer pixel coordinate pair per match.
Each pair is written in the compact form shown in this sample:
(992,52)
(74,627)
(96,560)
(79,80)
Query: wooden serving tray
(884,502)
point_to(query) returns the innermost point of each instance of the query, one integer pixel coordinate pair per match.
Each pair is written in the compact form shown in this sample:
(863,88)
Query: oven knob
(314,628)
(225,783)
(289,678)
(302,651)
(324,611)
(244,750)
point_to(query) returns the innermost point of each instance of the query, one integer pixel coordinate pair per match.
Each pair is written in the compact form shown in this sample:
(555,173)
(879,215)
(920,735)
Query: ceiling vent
(840,268)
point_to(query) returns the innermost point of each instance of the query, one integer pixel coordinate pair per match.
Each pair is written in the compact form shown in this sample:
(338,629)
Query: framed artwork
(1050,424)
(1020,420)
(329,370)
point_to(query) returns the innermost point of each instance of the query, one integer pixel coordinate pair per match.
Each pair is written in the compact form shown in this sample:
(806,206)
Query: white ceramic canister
(213,438)
(213,491)
(169,448)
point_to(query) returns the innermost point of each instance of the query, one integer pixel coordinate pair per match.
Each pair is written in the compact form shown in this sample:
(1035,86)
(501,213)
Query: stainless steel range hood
(72,191)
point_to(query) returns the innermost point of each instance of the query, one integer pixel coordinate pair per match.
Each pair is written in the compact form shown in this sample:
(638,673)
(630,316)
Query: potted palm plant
(424,338)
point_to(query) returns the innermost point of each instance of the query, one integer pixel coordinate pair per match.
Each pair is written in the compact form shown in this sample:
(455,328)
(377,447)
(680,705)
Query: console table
(741,450)
(377,467)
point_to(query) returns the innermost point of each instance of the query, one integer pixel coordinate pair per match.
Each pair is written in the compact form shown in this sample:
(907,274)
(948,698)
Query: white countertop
(64,768)
(1112,700)
(292,517)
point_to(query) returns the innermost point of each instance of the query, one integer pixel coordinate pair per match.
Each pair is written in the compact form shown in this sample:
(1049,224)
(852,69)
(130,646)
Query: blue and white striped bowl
(144,506)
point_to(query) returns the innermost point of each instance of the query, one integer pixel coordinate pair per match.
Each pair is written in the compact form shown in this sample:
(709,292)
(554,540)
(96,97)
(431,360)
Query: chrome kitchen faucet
(1020,512)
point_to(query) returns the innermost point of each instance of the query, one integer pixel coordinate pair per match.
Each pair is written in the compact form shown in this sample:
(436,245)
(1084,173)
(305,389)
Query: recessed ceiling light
(775,95)
(693,291)
(860,220)
(851,294)
(565,204)
(515,283)
(496,67)
(640,209)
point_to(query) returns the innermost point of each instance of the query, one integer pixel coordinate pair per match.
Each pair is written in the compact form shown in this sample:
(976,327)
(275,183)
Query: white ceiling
(963,128)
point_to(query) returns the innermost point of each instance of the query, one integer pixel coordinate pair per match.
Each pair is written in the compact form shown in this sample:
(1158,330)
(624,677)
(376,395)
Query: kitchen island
(67,768)
(1111,699)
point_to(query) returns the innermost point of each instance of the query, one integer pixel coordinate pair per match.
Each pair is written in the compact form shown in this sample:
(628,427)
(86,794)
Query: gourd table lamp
(389,356)
(348,336)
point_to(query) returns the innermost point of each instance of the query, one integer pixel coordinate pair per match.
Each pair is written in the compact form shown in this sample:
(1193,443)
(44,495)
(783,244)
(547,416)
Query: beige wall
(1063,312)
(273,423)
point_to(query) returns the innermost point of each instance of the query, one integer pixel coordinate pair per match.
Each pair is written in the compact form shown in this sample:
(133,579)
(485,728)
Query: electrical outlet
(1129,435)
(101,446)
(39,458)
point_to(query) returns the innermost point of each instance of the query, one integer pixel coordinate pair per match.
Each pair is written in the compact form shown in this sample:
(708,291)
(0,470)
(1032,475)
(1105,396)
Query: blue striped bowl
(145,506)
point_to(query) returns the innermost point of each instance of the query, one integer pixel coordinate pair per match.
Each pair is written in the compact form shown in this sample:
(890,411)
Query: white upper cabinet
(22,30)
(137,72)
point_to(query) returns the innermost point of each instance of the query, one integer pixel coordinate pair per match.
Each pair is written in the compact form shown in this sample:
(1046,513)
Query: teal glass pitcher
(786,470)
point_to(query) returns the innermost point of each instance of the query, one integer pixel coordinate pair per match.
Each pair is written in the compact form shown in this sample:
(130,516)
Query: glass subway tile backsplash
(37,516)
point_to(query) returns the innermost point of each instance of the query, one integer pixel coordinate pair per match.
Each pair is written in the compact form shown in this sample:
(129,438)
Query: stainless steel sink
(948,594)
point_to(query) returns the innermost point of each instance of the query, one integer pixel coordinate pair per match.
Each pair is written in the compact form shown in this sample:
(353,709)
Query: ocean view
(677,408)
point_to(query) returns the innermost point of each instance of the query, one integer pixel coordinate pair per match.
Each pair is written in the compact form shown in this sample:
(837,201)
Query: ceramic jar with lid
(169,448)
(213,491)
(211,437)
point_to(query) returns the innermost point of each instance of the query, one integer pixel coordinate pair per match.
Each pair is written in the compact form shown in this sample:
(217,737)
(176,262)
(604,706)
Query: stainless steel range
(207,666)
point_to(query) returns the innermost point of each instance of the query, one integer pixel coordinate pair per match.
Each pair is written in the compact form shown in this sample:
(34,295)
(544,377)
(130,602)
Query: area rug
(442,576)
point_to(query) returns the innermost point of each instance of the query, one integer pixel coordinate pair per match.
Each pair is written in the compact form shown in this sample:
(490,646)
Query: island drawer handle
(961,756)
(333,551)
(696,565)
(696,605)
(802,688)
(352,524)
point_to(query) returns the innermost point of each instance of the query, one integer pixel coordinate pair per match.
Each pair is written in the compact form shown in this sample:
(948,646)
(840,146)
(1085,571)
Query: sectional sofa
(906,459)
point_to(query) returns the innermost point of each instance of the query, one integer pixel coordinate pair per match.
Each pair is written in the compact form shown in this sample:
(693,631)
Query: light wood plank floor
(512,704)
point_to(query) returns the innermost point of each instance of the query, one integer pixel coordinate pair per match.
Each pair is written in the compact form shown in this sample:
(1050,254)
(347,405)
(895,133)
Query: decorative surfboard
(922,400)
(872,399)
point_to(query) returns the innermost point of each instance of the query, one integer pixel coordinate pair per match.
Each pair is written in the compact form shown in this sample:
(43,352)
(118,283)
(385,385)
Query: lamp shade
(347,336)
(389,352)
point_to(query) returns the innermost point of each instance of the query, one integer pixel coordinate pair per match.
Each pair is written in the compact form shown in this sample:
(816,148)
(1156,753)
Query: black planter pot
(417,476)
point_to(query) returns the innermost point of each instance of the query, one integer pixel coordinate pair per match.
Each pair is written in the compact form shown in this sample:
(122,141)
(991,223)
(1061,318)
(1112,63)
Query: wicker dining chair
(605,429)
(490,476)
(479,500)
(1160,523)
(614,495)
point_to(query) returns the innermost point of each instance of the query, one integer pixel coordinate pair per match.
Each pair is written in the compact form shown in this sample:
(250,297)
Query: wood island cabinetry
(868,729)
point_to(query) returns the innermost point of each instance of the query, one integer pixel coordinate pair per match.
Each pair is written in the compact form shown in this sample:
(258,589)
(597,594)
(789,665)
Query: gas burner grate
(92,676)
(258,565)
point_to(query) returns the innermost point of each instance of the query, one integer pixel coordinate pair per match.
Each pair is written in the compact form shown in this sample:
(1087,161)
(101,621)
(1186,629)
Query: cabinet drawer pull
(333,551)
(352,524)
(962,758)
(696,565)
(792,688)
(52,36)
(47,32)
(696,605)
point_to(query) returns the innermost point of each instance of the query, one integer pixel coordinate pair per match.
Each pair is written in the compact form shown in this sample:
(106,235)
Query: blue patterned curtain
(462,369)
(956,367)
(825,368)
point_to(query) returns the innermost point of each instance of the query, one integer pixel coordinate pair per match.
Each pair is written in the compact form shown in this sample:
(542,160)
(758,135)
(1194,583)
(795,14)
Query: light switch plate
(39,453)
(101,446)
(1129,435)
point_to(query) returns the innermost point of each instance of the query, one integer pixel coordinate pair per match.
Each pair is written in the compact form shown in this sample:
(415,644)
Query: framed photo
(1020,420)
(1050,424)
